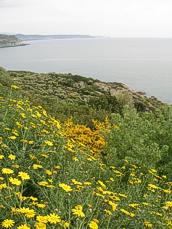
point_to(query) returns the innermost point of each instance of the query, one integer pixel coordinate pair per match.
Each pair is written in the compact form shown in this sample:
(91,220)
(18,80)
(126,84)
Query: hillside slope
(54,174)
(83,91)
(9,41)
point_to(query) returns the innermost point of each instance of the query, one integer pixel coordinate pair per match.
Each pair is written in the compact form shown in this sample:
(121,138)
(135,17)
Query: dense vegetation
(113,171)
(65,95)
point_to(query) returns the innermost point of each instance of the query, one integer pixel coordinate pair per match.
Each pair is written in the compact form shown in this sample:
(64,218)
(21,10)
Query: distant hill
(9,41)
(66,95)
(24,37)
(79,94)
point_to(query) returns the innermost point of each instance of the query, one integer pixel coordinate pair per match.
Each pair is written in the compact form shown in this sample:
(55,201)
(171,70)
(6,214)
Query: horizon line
(91,35)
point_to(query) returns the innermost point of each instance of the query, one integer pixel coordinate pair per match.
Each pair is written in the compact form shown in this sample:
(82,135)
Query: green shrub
(139,138)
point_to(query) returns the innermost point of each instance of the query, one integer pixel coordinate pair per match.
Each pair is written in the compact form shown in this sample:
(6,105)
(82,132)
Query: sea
(144,64)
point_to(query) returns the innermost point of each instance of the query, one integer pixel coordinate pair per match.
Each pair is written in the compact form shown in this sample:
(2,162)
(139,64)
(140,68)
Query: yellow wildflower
(29,213)
(24,176)
(152,186)
(13,137)
(30,142)
(40,225)
(45,184)
(12,157)
(48,143)
(15,181)
(23,115)
(167,191)
(113,205)
(78,211)
(65,224)
(134,205)
(75,158)
(93,224)
(42,219)
(122,195)
(8,223)
(65,187)
(7,171)
(15,87)
(48,172)
(148,224)
(54,218)
(40,205)
(3,186)
(167,205)
(102,184)
(24,226)
(1,156)
(87,183)
(36,166)
(107,212)
(74,181)
(127,213)
(33,198)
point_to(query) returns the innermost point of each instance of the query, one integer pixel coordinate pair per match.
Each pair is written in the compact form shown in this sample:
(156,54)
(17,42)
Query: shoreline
(13,46)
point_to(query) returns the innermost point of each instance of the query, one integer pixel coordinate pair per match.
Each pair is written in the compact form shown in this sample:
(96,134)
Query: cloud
(104,17)
(9,3)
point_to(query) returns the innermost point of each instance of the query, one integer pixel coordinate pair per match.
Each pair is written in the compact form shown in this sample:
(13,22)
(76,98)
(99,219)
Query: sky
(113,18)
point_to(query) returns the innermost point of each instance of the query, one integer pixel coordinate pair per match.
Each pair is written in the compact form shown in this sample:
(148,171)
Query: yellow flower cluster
(44,186)
(92,139)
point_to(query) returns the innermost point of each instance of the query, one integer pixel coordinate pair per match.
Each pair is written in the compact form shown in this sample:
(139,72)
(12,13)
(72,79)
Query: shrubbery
(62,175)
(113,172)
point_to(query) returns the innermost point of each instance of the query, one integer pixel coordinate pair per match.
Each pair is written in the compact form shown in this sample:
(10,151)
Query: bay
(144,64)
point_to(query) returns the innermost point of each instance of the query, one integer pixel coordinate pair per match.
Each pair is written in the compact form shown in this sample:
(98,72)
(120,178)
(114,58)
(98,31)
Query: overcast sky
(118,18)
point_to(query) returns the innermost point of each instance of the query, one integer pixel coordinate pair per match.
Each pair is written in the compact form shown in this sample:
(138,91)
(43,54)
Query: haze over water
(142,64)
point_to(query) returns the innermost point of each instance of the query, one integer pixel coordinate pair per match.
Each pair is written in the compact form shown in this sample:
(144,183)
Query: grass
(58,174)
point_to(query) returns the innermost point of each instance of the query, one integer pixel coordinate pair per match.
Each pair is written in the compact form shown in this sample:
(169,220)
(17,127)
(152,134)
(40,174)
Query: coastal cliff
(79,89)
(9,41)
(66,95)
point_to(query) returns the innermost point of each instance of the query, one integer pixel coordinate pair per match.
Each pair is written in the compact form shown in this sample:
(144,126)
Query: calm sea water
(143,64)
